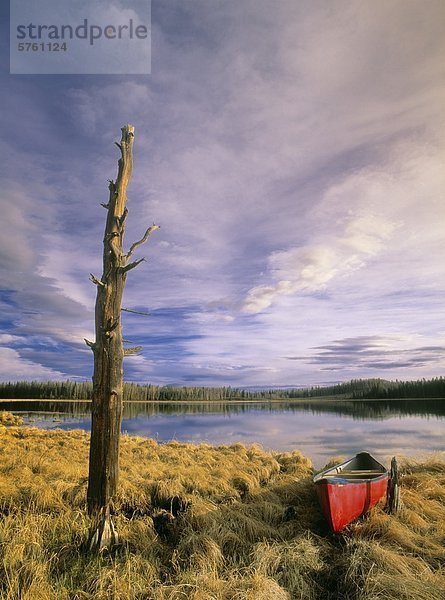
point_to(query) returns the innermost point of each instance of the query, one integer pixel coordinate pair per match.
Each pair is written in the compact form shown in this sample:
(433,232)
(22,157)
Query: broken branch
(132,265)
(142,240)
(91,345)
(132,351)
(136,312)
(97,281)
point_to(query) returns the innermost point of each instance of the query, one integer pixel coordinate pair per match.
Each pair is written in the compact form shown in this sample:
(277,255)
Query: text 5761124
(42,47)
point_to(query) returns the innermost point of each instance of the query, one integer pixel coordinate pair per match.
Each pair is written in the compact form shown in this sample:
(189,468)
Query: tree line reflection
(356,409)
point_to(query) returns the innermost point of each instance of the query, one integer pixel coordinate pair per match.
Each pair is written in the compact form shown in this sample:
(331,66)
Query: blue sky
(292,153)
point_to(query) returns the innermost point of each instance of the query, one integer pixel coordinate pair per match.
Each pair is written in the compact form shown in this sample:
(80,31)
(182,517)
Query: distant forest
(356,389)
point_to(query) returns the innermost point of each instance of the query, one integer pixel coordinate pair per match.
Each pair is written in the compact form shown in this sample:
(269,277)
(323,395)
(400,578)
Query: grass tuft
(7,419)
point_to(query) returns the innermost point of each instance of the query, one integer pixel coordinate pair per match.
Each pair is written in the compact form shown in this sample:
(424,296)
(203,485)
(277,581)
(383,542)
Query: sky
(292,152)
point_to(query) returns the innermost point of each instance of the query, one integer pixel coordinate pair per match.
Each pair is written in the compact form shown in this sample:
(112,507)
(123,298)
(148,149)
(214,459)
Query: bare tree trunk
(109,353)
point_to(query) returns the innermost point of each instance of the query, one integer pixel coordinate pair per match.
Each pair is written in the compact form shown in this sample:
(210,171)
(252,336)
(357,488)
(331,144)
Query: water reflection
(321,429)
(356,409)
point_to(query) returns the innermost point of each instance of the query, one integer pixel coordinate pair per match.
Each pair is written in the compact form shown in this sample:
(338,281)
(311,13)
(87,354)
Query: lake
(321,429)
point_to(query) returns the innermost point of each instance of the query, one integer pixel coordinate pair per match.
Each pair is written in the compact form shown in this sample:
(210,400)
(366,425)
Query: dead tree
(109,353)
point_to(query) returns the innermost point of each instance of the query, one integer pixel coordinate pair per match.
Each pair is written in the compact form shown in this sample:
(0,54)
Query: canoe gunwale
(339,480)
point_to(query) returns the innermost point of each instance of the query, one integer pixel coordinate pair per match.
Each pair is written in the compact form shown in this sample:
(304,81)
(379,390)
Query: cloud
(370,221)
(14,367)
(373,352)
(6,338)
(310,268)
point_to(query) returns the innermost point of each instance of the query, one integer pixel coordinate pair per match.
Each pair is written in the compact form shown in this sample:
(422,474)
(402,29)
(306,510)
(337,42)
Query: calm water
(320,429)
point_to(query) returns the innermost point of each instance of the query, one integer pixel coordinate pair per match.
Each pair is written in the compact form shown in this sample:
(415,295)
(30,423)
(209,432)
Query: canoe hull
(345,494)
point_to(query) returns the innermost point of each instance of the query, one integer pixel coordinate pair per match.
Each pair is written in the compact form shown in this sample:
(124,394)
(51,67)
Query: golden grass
(7,419)
(207,523)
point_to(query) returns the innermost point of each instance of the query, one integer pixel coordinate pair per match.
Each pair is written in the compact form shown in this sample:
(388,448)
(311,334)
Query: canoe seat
(360,472)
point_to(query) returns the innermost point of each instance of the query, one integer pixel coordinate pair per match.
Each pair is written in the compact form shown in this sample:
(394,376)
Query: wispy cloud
(373,352)
(310,268)
(14,367)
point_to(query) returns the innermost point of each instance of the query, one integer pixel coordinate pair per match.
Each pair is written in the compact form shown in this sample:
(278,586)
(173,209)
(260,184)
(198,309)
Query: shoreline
(235,401)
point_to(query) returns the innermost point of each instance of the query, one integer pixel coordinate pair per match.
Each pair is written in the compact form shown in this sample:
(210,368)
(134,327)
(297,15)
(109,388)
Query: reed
(204,523)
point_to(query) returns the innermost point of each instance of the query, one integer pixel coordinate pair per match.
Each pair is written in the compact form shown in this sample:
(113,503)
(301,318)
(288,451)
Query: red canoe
(348,490)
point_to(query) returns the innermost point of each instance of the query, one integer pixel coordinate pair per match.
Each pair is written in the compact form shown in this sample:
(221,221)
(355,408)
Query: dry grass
(206,523)
(7,419)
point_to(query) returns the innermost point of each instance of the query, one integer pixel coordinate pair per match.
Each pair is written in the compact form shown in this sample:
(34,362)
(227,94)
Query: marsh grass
(207,523)
(7,419)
